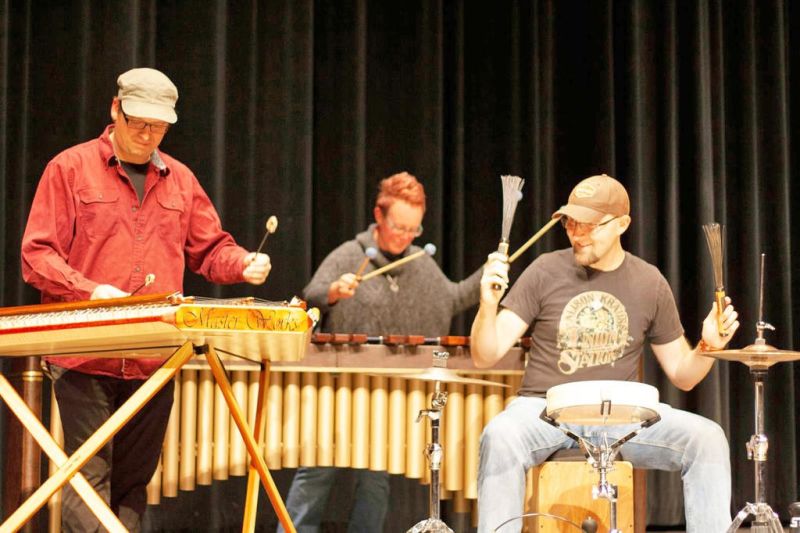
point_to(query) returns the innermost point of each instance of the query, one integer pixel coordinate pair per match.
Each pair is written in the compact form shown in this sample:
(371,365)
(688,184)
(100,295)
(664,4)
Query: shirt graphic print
(593,331)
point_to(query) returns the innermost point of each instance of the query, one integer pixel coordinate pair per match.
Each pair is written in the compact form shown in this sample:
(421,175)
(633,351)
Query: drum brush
(713,233)
(429,249)
(271,226)
(512,193)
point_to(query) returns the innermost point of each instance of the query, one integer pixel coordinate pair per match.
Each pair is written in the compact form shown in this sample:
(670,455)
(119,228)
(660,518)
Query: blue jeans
(517,439)
(309,492)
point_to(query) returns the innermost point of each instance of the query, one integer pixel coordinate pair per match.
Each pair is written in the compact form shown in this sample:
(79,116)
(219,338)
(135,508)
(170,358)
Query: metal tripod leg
(603,462)
(766,520)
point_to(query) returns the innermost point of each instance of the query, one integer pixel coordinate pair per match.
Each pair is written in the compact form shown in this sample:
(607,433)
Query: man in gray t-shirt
(590,310)
(588,324)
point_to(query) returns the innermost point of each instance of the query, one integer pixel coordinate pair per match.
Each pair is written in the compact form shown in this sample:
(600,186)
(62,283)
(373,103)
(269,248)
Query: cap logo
(585,191)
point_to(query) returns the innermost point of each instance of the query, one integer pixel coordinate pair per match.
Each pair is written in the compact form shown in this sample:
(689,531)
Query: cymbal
(445,375)
(756,355)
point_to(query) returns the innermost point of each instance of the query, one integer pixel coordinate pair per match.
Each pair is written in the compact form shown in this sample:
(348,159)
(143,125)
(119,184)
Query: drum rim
(647,400)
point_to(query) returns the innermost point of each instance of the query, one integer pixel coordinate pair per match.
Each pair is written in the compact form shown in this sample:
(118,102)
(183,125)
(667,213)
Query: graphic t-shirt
(588,324)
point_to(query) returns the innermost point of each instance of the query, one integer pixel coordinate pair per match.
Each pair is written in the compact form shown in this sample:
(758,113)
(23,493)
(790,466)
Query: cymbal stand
(765,519)
(434,454)
(601,458)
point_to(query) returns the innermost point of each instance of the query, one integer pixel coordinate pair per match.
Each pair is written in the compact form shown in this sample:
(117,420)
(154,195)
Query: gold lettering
(260,319)
(190,318)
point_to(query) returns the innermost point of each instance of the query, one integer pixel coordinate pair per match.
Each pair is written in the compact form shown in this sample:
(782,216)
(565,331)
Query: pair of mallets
(371,253)
(271,226)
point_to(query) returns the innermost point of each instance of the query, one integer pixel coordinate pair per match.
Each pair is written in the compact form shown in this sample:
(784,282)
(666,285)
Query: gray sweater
(424,301)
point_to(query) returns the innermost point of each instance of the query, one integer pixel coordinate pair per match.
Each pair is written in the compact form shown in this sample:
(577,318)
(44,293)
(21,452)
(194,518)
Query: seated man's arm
(494,333)
(684,365)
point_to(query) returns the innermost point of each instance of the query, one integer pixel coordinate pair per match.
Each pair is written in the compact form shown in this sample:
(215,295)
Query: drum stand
(765,519)
(601,458)
(434,454)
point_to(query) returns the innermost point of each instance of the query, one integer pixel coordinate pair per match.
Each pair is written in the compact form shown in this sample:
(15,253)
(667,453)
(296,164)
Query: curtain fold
(297,108)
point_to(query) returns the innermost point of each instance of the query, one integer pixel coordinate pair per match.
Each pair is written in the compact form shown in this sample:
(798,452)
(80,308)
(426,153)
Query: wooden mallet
(271,226)
(370,254)
(148,280)
(429,249)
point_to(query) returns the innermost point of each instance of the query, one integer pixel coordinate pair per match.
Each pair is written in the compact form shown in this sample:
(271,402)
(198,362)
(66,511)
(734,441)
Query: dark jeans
(311,488)
(121,469)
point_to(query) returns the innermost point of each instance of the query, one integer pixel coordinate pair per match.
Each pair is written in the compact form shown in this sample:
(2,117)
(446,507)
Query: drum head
(599,403)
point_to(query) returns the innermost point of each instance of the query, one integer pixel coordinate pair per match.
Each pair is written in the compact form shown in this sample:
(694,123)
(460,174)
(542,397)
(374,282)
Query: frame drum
(602,403)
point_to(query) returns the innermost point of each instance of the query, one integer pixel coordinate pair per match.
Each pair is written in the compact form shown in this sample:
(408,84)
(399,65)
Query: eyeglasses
(582,227)
(416,232)
(139,124)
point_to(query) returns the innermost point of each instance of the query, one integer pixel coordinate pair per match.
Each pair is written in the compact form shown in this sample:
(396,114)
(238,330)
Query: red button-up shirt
(87,226)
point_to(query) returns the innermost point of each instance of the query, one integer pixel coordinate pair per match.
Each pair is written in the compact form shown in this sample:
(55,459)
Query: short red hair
(401,186)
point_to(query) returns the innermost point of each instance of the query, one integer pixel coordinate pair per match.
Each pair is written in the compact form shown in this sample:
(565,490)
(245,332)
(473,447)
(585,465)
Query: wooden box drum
(564,488)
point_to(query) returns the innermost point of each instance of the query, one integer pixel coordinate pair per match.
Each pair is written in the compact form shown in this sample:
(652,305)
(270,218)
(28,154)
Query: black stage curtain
(296,108)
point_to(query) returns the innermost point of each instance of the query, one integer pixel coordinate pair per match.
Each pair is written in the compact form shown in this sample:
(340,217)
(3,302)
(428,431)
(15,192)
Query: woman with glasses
(415,298)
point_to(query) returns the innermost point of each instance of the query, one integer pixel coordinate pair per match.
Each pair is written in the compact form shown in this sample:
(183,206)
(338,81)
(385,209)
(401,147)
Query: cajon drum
(564,488)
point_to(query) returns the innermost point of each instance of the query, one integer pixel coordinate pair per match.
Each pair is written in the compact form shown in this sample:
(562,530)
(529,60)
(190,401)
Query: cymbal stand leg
(435,457)
(765,519)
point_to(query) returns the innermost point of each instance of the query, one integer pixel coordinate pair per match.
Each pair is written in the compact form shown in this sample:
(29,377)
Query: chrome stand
(601,458)
(765,519)
(434,453)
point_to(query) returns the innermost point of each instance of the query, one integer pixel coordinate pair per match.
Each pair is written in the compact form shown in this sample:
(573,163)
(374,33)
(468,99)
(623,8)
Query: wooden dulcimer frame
(168,326)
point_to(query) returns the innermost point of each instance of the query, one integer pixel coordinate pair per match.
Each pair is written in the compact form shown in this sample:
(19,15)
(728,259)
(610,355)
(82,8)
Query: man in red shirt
(106,213)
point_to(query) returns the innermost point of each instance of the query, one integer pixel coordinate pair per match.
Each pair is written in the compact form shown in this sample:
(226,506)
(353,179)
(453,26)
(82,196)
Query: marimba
(338,406)
(168,326)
